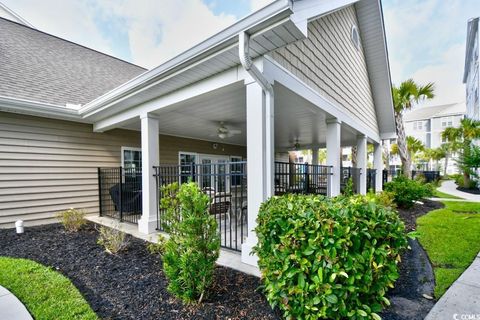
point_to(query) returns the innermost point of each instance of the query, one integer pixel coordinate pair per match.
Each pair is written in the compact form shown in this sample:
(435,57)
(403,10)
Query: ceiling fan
(296,145)
(225,132)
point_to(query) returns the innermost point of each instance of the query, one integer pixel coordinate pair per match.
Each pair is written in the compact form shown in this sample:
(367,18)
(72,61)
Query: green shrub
(406,191)
(112,239)
(384,198)
(325,258)
(194,243)
(158,247)
(72,219)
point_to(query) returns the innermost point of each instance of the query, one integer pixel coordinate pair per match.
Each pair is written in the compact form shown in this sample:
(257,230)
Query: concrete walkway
(462,299)
(450,187)
(11,308)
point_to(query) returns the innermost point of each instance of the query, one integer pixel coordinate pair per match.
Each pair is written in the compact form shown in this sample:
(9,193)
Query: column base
(247,256)
(147,226)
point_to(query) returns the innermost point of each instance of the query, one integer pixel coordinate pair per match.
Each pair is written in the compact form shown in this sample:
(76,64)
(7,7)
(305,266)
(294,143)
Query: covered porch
(267,123)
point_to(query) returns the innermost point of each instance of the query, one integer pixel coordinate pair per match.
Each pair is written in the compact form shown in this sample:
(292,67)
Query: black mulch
(416,272)
(131,285)
(467,190)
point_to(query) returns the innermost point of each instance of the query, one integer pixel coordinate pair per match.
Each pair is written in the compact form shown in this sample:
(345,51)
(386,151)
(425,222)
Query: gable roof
(37,66)
(423,113)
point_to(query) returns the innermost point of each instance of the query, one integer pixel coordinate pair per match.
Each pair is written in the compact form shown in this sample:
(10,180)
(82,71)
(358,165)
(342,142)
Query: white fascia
(39,109)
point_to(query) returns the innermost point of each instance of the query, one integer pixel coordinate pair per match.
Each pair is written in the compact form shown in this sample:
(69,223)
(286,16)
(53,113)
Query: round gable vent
(355,37)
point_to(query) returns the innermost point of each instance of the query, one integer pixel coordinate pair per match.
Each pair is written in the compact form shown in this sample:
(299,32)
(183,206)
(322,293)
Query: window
(187,165)
(236,170)
(447,122)
(131,158)
(418,125)
(355,36)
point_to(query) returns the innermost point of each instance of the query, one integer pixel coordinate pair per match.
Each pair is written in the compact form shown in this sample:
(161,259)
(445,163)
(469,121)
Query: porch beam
(378,165)
(362,163)
(150,158)
(334,150)
(228,77)
(260,160)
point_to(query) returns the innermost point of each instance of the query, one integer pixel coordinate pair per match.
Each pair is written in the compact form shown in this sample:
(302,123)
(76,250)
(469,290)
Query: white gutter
(41,109)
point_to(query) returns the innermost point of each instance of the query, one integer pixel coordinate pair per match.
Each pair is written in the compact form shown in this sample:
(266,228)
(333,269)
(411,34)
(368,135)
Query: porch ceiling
(199,118)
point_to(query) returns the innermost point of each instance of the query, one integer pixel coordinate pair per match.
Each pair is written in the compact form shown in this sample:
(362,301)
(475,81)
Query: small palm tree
(405,97)
(461,139)
(414,146)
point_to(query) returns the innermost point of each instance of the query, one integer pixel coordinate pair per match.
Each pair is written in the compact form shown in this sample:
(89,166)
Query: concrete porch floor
(228,258)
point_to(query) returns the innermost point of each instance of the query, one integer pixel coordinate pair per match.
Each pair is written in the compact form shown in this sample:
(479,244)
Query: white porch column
(378,165)
(333,155)
(362,163)
(260,160)
(315,156)
(150,158)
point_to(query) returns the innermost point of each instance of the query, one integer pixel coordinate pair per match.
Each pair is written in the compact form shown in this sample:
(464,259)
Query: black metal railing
(347,173)
(429,176)
(225,183)
(371,177)
(301,178)
(120,193)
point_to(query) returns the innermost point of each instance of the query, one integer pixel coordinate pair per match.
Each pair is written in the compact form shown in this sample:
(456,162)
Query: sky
(426,38)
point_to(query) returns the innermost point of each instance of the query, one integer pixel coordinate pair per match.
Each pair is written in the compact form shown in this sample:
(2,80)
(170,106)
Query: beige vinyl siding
(50,165)
(328,62)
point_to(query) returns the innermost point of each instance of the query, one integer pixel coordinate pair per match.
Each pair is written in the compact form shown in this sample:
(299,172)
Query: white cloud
(159,32)
(447,77)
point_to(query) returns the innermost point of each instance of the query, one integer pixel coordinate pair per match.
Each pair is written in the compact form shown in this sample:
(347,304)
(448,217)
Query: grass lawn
(46,293)
(451,237)
(439,194)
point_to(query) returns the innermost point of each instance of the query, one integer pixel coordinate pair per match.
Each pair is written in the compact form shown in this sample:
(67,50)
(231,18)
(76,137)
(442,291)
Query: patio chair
(221,205)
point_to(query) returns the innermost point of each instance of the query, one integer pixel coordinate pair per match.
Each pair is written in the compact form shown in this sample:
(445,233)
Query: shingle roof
(40,67)
(421,113)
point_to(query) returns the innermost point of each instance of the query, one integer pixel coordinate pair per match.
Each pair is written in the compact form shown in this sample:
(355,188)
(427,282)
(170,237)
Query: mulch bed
(131,285)
(471,191)
(416,272)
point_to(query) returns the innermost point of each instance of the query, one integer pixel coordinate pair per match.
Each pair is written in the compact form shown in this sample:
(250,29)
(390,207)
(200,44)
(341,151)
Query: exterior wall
(329,62)
(48,165)
(473,80)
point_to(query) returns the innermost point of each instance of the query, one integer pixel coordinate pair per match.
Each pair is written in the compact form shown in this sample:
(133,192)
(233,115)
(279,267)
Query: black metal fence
(429,176)
(301,178)
(225,183)
(120,193)
(347,173)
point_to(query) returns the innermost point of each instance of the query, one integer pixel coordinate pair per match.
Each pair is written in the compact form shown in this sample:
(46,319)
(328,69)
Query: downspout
(258,77)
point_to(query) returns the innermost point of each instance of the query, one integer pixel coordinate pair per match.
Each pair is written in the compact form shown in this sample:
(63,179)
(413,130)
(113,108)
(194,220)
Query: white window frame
(446,121)
(123,149)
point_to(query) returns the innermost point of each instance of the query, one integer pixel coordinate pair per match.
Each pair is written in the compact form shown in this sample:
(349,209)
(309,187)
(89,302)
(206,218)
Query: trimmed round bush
(324,258)
(406,191)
